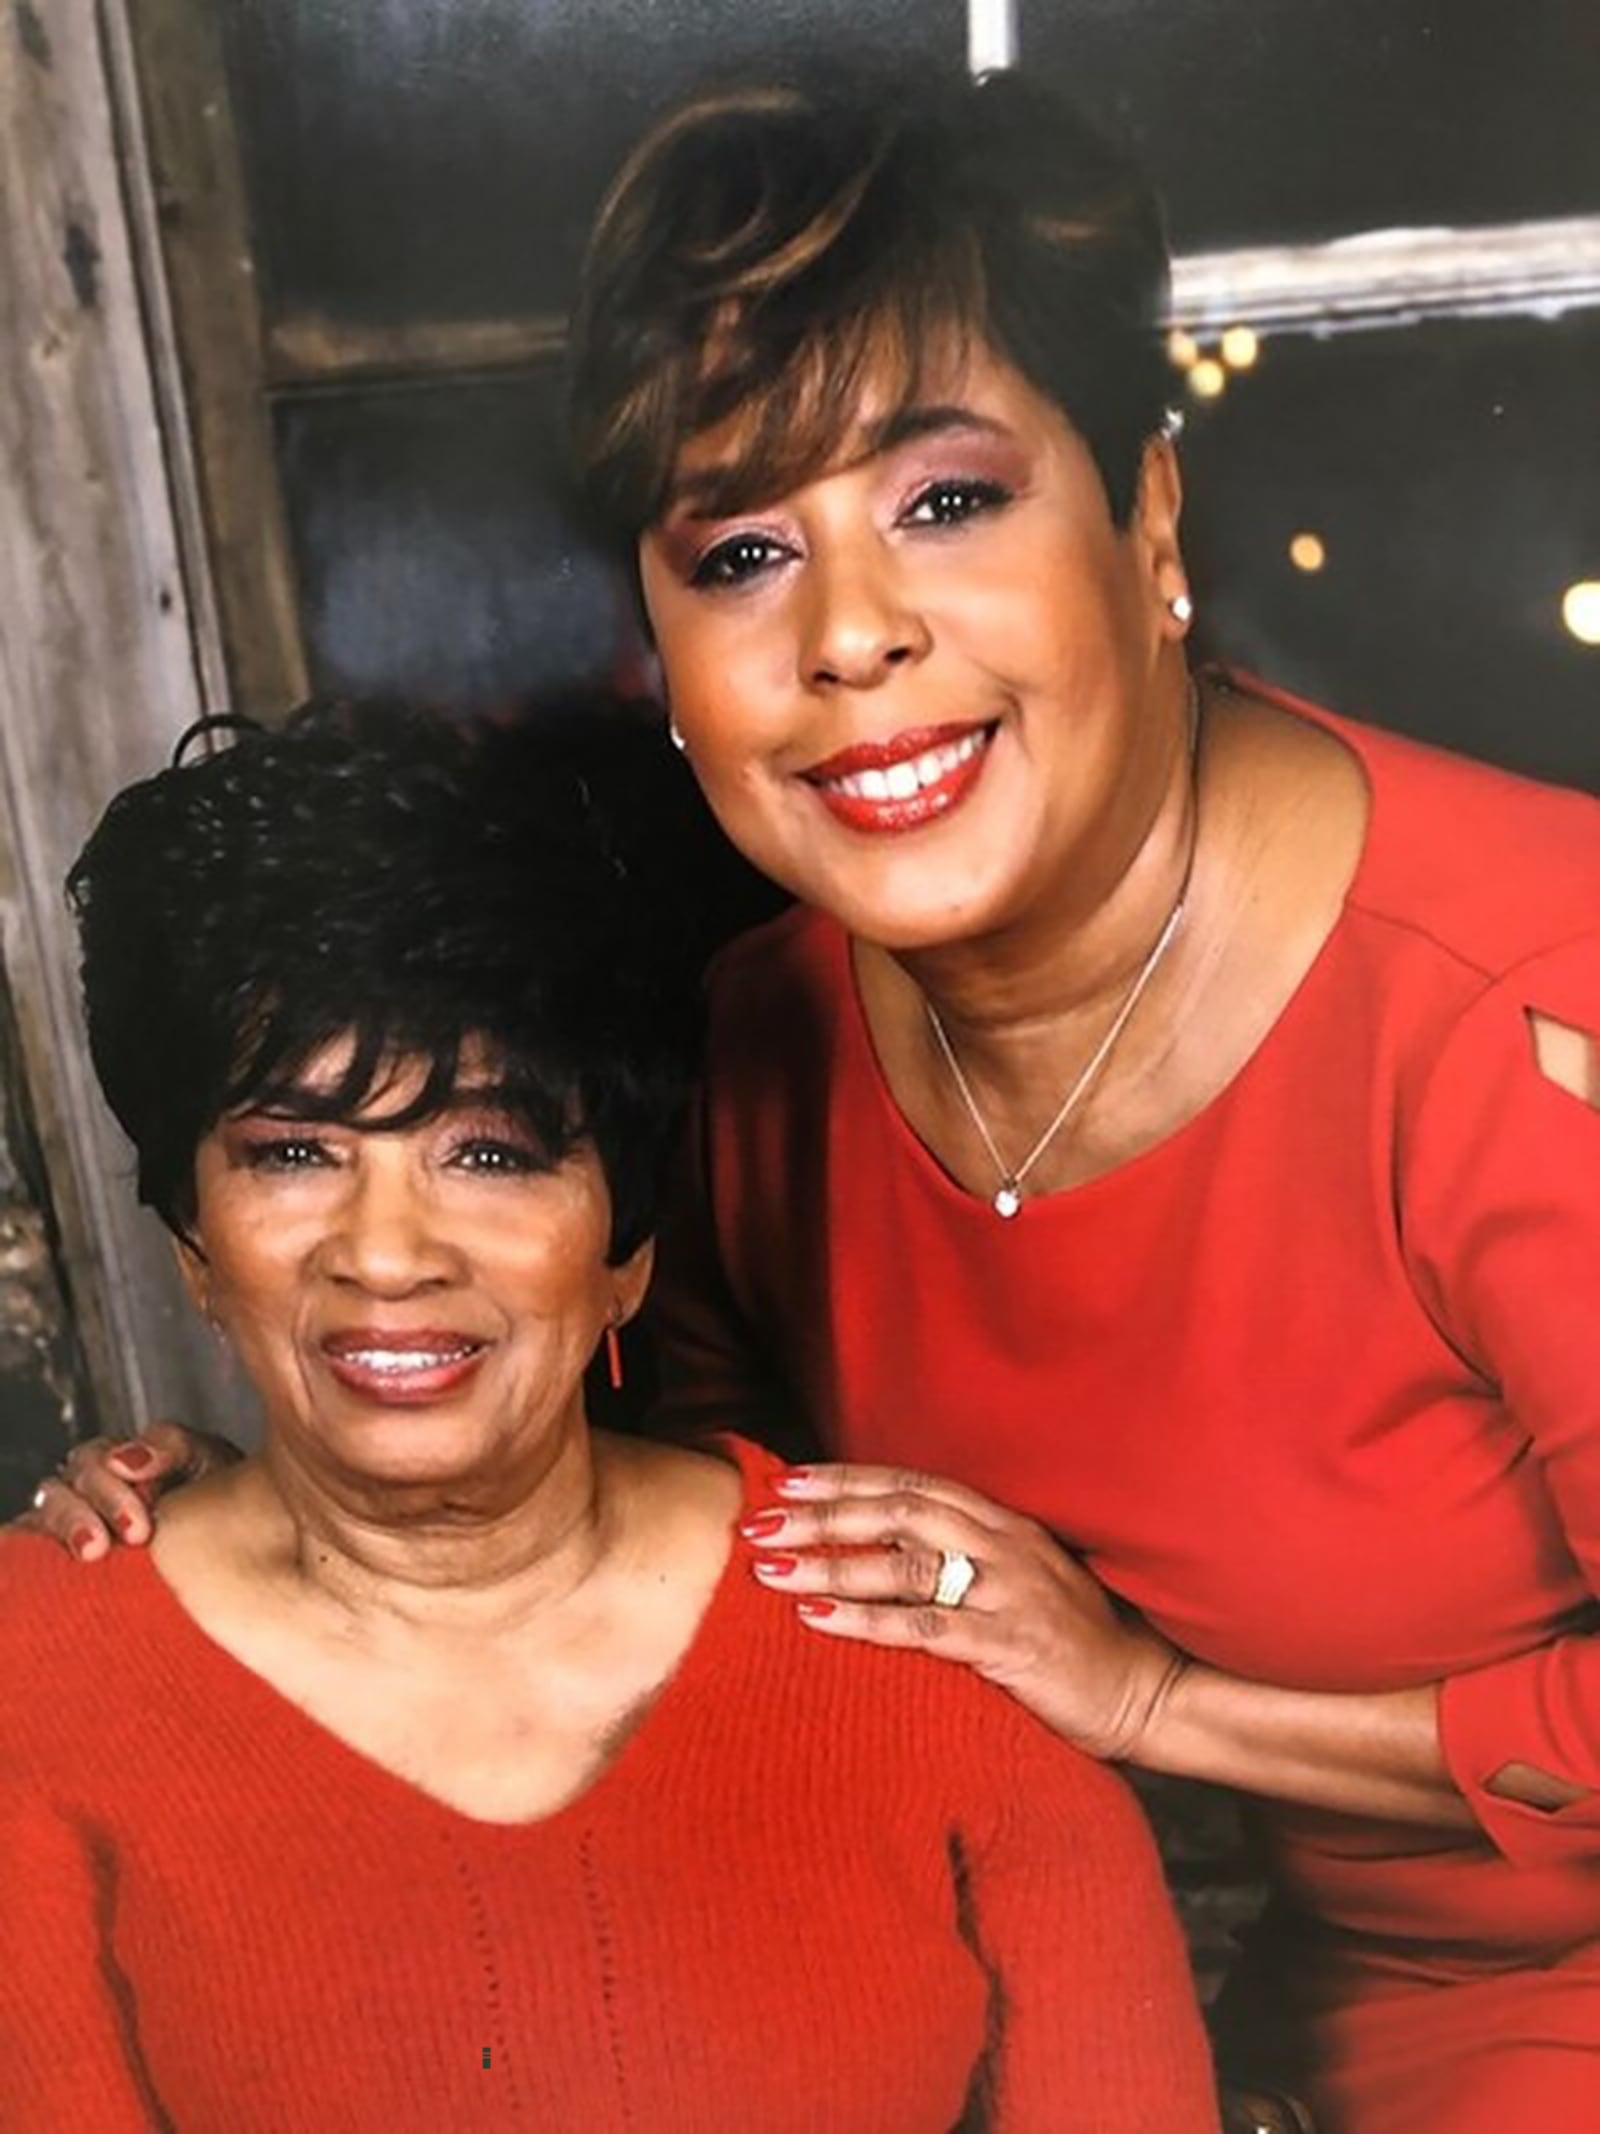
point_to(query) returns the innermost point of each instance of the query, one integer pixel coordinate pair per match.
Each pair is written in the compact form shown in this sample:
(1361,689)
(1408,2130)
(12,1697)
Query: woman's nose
(387,1238)
(859,626)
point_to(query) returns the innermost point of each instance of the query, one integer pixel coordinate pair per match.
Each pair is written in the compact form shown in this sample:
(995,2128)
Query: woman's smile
(884,788)
(408,1368)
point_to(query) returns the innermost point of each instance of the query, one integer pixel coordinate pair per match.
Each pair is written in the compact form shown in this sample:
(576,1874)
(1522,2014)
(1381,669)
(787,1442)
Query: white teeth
(398,1360)
(902,780)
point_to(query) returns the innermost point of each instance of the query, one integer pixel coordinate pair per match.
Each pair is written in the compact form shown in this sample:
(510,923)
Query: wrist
(1157,1683)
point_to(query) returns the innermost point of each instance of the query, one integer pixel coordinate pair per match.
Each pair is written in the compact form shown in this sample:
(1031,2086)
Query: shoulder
(777,968)
(937,1739)
(67,1630)
(779,1001)
(43,1592)
(1492,868)
(1017,1781)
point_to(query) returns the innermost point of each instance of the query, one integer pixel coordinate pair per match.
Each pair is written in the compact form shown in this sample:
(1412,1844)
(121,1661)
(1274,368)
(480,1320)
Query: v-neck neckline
(219,1681)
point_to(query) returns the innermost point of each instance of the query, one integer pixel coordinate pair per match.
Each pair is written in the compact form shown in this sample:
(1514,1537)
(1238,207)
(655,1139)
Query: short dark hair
(383,874)
(764,247)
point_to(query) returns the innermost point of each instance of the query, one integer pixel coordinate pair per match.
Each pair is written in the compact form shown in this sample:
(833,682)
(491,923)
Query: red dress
(1315,1383)
(820,1890)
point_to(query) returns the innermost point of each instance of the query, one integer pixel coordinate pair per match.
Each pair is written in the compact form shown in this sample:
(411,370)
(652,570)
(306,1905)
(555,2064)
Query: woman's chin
(913,907)
(926,890)
(411,1448)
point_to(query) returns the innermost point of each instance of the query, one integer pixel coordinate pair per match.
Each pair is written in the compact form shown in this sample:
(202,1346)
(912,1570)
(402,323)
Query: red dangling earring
(614,1358)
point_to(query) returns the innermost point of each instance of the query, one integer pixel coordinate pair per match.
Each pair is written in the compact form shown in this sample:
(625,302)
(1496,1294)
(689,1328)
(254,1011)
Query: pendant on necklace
(1008,1201)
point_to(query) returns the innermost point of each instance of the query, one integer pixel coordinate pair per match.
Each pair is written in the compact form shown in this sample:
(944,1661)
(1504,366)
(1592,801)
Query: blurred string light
(1580,610)
(1307,553)
(1207,374)
(1240,347)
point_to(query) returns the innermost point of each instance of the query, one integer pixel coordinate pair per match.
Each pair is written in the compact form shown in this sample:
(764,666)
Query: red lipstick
(885,787)
(402,1368)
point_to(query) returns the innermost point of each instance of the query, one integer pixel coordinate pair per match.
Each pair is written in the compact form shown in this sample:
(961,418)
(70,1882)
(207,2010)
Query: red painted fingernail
(763,1524)
(776,1566)
(132,1459)
(81,1540)
(815,1610)
(123,1522)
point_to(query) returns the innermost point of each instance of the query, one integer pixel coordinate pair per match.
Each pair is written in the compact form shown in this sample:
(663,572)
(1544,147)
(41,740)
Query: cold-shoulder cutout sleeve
(1502,1215)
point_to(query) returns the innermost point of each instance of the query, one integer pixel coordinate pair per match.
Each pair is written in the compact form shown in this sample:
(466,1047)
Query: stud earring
(1180,607)
(675,737)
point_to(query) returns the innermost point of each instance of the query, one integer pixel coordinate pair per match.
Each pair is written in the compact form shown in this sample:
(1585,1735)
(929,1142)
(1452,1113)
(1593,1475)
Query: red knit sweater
(822,1888)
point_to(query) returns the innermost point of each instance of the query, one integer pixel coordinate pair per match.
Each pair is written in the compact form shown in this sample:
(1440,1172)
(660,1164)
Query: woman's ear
(1157,509)
(630,1280)
(194,1271)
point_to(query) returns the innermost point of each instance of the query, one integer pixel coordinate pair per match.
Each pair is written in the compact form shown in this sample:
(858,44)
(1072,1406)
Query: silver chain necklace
(1007,1200)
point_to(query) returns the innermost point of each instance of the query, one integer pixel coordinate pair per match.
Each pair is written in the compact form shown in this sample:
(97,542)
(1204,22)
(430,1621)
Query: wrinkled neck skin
(449,1562)
(1077,945)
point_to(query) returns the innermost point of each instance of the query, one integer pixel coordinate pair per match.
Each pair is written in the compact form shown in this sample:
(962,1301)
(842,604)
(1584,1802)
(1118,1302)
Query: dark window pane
(1264,123)
(426,159)
(433,554)
(1451,473)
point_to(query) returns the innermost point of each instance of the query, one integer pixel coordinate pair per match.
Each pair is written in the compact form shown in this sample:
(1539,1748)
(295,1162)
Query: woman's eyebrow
(906,425)
(700,492)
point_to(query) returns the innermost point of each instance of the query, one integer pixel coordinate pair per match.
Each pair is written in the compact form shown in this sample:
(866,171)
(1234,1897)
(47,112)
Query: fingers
(166,1452)
(867,1567)
(837,1481)
(905,1576)
(894,1520)
(947,1633)
(99,1494)
(81,1506)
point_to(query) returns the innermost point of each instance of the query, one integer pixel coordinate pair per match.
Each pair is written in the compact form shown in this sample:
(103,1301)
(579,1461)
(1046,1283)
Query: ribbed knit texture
(822,1887)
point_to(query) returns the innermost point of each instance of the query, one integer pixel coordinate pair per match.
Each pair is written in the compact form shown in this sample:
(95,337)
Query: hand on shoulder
(106,1488)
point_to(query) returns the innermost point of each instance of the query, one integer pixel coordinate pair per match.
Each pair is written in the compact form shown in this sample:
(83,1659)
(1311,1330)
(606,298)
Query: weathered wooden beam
(1394,278)
(98,659)
(191,150)
(1375,279)
(306,352)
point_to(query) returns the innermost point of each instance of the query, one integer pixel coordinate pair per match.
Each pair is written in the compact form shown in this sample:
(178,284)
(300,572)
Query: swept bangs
(772,261)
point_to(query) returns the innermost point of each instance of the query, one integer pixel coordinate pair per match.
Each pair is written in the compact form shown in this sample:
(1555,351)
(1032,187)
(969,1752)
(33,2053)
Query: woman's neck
(447,1563)
(1075,951)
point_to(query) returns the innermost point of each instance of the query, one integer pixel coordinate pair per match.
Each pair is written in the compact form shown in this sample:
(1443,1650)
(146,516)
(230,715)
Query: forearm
(1372,1754)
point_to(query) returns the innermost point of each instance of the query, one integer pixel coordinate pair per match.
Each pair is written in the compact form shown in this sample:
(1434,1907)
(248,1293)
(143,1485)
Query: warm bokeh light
(1207,378)
(1580,610)
(1307,553)
(1240,347)
(1183,349)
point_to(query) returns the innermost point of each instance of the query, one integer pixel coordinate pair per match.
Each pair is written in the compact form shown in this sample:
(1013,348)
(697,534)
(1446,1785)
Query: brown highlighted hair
(768,251)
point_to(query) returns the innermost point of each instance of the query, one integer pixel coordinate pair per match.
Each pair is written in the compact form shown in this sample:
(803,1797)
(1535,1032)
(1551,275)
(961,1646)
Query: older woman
(1183,1101)
(463,1777)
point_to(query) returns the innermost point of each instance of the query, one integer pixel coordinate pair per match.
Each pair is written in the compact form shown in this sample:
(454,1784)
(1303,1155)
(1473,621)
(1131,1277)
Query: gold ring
(957,1574)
